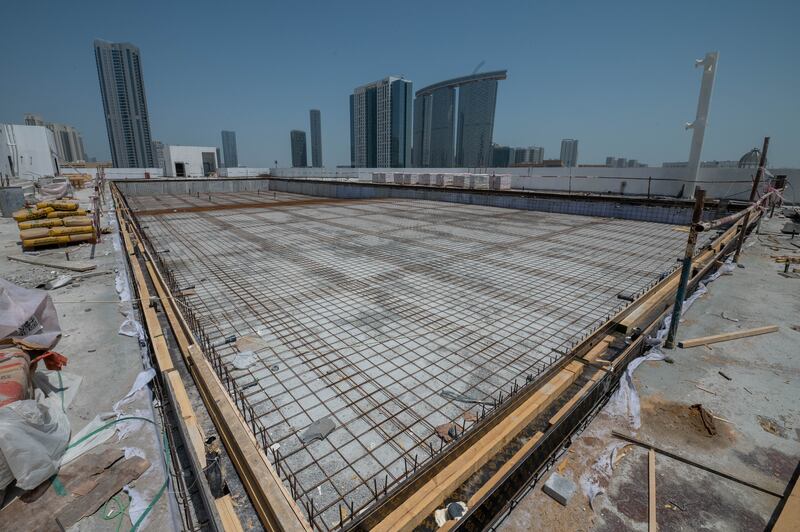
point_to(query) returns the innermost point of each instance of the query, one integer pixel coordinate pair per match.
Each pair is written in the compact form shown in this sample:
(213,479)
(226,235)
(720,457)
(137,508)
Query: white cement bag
(27,317)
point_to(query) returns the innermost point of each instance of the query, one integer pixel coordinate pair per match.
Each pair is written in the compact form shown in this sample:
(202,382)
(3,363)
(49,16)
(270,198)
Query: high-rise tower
(316,138)
(119,69)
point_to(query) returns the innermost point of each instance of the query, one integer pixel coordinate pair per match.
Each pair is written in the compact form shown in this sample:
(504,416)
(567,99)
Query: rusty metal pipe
(686,271)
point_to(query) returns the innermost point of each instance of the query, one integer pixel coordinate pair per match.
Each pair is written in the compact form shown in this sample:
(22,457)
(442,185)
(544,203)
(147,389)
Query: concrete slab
(385,314)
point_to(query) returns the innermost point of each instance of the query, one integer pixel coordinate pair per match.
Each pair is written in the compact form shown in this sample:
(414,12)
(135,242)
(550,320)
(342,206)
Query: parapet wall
(663,211)
(671,211)
(151,187)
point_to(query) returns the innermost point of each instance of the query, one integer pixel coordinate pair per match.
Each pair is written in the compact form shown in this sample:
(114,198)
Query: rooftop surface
(390,317)
(757,416)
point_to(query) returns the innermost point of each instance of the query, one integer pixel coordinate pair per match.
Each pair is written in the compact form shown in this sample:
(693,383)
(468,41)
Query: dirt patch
(770,462)
(685,500)
(668,421)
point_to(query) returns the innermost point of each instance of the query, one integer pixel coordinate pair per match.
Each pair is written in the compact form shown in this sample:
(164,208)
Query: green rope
(104,427)
(163,486)
(119,512)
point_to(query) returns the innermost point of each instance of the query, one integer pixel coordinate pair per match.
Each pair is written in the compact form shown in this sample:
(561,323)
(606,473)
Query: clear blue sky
(617,77)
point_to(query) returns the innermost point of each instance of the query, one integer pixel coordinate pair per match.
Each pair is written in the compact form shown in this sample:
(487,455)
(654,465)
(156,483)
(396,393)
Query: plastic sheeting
(33,437)
(55,191)
(625,401)
(28,317)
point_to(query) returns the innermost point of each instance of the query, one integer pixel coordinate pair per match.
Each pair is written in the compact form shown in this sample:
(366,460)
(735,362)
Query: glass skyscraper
(439,140)
(229,149)
(380,124)
(119,69)
(316,138)
(569,152)
(299,150)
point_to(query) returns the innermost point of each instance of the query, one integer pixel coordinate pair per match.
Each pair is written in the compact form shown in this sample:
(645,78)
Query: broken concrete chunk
(560,488)
(318,430)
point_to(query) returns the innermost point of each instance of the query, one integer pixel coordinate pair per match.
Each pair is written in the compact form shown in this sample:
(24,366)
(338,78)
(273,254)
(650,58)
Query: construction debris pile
(54,222)
(51,477)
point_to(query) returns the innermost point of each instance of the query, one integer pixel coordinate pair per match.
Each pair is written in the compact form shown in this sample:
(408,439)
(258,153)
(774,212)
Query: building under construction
(368,353)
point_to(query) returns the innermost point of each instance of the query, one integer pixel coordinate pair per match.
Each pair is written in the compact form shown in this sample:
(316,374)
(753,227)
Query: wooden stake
(652,489)
(724,337)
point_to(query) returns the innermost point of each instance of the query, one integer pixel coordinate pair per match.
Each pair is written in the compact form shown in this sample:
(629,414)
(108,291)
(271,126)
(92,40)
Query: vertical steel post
(686,270)
(753,191)
(709,64)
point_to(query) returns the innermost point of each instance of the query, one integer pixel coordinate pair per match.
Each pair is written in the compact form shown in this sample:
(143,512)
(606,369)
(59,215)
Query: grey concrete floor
(90,315)
(758,439)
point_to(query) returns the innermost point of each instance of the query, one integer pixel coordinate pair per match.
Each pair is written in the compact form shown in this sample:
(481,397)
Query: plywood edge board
(230,521)
(724,337)
(275,507)
(422,502)
(790,514)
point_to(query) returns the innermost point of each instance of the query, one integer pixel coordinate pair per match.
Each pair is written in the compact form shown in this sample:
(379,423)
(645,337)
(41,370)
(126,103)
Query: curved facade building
(440,140)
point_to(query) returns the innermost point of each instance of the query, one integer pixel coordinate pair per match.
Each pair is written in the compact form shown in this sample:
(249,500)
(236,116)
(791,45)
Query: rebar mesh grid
(390,317)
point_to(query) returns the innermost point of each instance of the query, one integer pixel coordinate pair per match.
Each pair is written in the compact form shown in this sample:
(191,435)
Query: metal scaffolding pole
(686,271)
(753,191)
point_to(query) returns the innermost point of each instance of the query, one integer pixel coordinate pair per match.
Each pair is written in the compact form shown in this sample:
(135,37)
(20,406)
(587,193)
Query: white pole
(709,64)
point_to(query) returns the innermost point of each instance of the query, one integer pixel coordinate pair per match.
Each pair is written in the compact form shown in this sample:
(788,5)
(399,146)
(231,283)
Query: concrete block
(11,199)
(560,488)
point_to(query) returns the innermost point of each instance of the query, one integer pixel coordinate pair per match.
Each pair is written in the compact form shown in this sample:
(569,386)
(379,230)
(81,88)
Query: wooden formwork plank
(724,337)
(790,514)
(505,468)
(230,521)
(569,404)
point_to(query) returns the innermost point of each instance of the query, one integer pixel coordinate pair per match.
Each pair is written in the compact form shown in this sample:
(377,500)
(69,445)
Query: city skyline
(614,97)
(69,142)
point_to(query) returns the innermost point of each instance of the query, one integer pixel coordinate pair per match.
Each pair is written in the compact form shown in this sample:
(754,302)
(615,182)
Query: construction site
(344,354)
